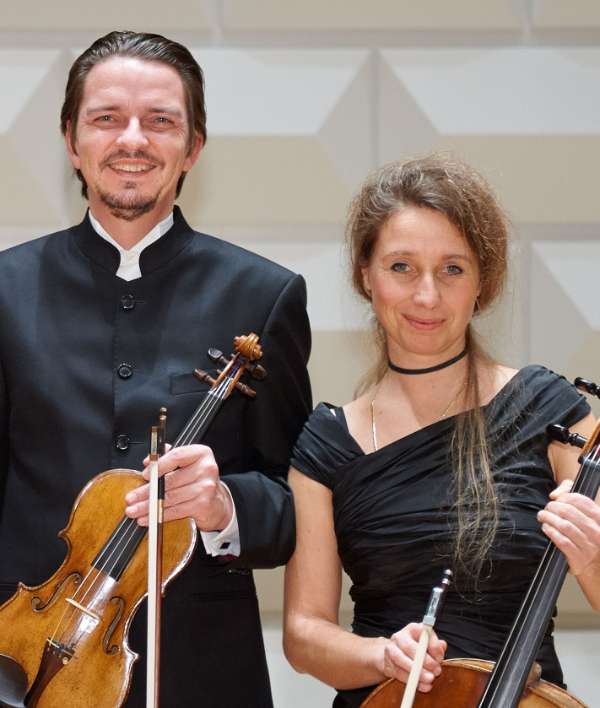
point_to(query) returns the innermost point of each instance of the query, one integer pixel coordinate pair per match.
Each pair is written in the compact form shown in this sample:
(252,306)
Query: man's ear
(70,145)
(194,152)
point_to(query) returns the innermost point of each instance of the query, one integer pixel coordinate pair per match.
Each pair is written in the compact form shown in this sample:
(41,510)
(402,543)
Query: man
(103,323)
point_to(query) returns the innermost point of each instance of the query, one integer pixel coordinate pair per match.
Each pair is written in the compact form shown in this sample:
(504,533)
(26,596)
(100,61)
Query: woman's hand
(400,650)
(572,523)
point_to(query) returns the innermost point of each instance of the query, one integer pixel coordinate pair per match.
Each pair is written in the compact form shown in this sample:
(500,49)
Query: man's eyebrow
(101,109)
(154,109)
(169,111)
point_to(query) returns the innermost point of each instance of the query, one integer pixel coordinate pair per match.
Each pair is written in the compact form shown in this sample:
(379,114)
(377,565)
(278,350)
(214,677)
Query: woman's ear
(366,281)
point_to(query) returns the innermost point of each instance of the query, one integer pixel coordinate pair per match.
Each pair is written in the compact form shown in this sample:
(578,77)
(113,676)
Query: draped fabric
(395,518)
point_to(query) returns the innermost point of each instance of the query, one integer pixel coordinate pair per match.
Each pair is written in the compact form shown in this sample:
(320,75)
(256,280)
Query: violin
(514,680)
(64,642)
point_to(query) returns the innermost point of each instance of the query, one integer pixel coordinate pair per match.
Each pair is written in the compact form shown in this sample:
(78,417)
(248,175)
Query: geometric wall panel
(562,324)
(281,126)
(582,14)
(103,17)
(381,14)
(525,118)
(34,191)
(263,180)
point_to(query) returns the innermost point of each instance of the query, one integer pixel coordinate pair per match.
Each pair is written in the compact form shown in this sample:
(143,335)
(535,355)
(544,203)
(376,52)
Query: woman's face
(424,280)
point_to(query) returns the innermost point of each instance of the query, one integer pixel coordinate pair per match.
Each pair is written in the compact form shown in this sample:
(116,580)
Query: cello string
(583,482)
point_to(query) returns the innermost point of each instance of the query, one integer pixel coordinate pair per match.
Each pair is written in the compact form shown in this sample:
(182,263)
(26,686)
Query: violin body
(83,608)
(461,685)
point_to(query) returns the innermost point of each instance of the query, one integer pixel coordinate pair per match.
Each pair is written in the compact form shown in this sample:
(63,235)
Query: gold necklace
(440,417)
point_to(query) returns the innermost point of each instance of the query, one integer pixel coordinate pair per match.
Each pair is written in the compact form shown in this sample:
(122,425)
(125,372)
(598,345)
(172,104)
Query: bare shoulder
(360,407)
(493,378)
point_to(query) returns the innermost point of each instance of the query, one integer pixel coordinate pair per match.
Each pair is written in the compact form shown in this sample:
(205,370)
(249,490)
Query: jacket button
(127,302)
(125,371)
(122,442)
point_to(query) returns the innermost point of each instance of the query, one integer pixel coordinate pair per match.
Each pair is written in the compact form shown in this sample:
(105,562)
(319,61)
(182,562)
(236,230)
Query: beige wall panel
(264,180)
(377,14)
(337,363)
(553,14)
(573,608)
(540,179)
(269,587)
(74,15)
(23,199)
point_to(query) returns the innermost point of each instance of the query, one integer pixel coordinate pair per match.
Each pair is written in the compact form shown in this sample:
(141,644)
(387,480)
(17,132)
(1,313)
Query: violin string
(116,553)
(127,527)
(583,483)
(217,395)
(86,586)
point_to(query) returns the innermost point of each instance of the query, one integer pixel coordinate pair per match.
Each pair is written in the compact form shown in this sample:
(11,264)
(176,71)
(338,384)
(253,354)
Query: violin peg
(246,390)
(564,435)
(257,371)
(587,386)
(215,355)
(203,376)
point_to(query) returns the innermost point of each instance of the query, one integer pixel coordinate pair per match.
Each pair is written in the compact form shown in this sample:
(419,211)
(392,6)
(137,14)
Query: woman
(443,461)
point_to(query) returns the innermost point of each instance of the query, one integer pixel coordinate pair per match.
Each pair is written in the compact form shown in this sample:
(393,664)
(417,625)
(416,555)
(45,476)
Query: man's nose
(132,135)
(427,293)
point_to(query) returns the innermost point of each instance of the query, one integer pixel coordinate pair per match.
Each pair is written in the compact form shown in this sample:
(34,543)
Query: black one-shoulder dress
(395,519)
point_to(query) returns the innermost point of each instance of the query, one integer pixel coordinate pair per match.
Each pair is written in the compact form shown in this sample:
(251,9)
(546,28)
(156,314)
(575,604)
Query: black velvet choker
(429,369)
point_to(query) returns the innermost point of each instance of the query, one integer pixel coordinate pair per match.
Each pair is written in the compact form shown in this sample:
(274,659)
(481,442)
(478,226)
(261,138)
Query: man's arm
(262,497)
(3,434)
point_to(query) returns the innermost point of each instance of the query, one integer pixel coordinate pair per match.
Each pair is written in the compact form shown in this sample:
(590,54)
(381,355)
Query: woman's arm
(572,521)
(313,640)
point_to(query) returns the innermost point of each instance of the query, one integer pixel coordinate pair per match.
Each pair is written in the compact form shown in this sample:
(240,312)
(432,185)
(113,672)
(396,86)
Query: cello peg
(587,386)
(564,435)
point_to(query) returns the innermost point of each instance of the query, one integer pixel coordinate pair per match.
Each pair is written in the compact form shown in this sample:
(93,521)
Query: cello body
(462,684)
(99,671)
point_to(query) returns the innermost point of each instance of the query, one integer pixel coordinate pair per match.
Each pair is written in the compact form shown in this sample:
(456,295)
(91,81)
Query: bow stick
(155,541)
(431,614)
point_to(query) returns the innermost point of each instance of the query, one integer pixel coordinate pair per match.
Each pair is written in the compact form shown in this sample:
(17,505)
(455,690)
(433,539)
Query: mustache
(131,155)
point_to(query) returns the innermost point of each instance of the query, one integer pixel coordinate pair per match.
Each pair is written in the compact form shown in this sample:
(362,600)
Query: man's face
(131,141)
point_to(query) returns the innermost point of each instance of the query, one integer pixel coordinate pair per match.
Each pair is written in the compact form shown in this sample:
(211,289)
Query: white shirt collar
(129,267)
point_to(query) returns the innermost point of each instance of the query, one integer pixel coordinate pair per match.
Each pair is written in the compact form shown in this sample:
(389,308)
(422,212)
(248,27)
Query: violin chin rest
(13,683)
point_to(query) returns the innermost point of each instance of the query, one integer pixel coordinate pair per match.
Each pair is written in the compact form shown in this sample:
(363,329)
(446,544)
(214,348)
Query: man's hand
(193,488)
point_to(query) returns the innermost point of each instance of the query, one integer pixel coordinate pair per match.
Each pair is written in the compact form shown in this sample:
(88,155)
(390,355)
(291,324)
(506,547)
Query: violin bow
(434,606)
(155,543)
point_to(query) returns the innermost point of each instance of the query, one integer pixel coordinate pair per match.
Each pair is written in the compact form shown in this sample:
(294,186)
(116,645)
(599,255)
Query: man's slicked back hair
(148,47)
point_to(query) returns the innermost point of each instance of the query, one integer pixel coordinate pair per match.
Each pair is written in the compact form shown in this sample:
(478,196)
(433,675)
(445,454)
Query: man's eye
(400,267)
(104,119)
(162,120)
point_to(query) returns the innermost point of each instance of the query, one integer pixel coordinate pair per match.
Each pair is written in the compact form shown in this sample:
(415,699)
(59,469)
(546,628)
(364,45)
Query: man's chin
(129,207)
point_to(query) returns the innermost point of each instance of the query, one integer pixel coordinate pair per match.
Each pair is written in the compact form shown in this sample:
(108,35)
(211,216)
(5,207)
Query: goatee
(128,207)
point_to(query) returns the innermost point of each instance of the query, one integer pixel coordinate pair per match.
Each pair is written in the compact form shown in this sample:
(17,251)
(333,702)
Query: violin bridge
(81,608)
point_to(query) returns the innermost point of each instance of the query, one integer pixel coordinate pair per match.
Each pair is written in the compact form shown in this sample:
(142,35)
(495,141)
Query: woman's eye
(454,269)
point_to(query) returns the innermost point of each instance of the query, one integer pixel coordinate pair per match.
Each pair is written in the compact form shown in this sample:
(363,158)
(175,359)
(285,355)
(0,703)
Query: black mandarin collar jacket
(87,359)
